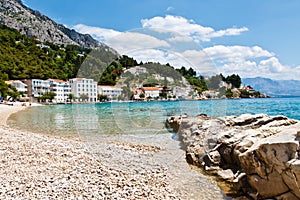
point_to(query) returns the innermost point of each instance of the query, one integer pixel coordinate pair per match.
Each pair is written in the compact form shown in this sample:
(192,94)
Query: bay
(138,118)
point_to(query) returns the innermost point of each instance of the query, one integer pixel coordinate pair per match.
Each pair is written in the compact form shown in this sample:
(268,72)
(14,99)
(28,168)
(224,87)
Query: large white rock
(265,149)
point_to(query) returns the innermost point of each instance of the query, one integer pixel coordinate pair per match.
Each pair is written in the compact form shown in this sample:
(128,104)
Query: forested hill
(23,58)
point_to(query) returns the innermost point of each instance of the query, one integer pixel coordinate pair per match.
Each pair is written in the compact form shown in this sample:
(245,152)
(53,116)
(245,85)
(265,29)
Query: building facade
(84,89)
(19,85)
(61,88)
(112,92)
(151,92)
(39,87)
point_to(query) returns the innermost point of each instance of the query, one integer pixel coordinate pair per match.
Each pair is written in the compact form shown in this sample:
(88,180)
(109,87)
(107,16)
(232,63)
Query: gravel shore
(36,166)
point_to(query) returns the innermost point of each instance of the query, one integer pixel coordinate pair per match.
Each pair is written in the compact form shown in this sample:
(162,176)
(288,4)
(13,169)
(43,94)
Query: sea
(144,123)
(100,120)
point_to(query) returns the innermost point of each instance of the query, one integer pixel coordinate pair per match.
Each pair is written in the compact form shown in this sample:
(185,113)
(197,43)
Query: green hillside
(22,58)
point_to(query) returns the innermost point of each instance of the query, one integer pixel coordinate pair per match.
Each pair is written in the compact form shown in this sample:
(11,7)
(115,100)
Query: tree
(150,82)
(127,62)
(3,89)
(142,96)
(47,96)
(84,97)
(102,97)
(235,80)
(229,94)
(71,97)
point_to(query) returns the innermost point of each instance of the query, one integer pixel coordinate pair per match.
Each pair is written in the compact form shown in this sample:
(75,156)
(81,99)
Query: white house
(86,87)
(112,92)
(19,85)
(40,87)
(182,92)
(151,92)
(61,88)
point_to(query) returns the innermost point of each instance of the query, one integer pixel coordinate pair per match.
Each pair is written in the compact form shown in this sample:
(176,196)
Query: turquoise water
(138,118)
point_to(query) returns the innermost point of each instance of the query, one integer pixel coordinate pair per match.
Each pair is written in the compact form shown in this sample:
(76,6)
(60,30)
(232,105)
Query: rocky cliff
(34,24)
(257,155)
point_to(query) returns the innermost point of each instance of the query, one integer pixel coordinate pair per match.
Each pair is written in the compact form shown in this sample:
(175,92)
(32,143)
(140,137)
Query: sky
(257,38)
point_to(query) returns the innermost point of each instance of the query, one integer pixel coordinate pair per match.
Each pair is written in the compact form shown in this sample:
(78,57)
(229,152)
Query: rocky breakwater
(256,155)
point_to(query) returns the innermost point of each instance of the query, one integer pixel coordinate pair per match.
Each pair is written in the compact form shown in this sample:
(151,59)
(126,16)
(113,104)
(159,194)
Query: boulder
(257,154)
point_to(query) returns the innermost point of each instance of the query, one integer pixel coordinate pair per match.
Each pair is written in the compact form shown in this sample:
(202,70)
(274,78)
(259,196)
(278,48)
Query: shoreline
(38,166)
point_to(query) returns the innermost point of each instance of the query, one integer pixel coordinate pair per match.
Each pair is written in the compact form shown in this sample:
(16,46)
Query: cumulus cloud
(236,53)
(123,42)
(246,61)
(170,31)
(189,28)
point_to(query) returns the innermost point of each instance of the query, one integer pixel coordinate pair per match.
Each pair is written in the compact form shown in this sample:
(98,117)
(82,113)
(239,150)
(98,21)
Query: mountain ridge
(274,88)
(14,14)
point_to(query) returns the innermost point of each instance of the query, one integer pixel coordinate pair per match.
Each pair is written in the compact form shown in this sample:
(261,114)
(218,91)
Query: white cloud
(100,34)
(180,38)
(123,42)
(189,28)
(161,56)
(145,46)
(248,62)
(273,65)
(170,8)
(129,41)
(236,53)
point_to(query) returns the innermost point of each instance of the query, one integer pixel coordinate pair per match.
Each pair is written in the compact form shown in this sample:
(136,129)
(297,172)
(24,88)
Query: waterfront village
(84,90)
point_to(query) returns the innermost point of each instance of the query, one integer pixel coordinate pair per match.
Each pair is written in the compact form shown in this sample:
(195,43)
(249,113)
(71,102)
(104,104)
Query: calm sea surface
(138,118)
(144,122)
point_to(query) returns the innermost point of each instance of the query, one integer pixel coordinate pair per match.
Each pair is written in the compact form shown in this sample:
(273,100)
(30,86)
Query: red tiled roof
(57,80)
(150,88)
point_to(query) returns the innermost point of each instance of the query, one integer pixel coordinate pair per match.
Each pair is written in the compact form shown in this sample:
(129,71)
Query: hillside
(36,25)
(274,87)
(22,57)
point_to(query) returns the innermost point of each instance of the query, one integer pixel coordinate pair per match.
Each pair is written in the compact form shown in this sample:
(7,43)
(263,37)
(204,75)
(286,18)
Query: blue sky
(252,38)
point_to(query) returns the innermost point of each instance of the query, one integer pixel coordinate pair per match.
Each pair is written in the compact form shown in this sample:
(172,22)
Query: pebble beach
(37,166)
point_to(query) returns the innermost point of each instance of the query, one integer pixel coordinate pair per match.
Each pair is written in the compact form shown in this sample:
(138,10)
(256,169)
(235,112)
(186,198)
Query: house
(151,92)
(181,92)
(249,89)
(137,93)
(39,87)
(61,88)
(19,85)
(112,92)
(84,89)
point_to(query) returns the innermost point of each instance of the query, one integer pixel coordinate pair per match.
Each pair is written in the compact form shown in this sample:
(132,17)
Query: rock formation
(257,155)
(34,24)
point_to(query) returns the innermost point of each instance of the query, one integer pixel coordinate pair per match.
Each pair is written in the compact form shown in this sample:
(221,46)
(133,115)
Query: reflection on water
(128,118)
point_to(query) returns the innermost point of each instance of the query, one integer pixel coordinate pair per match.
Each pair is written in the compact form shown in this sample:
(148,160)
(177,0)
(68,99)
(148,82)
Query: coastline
(37,166)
